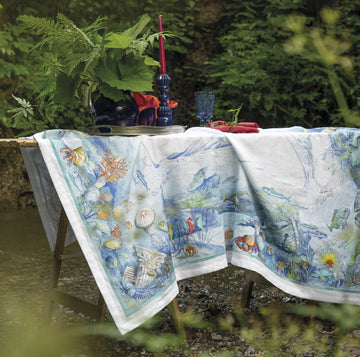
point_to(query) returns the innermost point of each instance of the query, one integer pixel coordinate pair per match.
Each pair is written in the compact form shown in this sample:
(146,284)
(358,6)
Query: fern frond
(95,27)
(40,26)
(88,59)
(68,24)
(134,31)
(56,33)
(139,45)
(92,59)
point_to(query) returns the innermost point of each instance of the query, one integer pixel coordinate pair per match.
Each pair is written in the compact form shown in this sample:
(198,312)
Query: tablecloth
(148,211)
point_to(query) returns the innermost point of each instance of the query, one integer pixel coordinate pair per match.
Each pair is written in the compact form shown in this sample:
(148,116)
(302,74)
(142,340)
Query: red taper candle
(161,49)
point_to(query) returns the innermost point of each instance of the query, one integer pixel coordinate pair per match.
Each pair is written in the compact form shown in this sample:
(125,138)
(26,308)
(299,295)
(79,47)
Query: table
(149,211)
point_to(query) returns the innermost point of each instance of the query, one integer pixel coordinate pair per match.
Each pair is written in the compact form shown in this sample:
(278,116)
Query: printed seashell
(100,182)
(118,212)
(91,194)
(107,196)
(112,244)
(145,218)
(163,226)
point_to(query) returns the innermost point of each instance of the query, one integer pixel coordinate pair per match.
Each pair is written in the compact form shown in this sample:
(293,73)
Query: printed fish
(141,177)
(339,218)
(201,192)
(198,177)
(77,179)
(272,192)
(357,208)
(305,264)
(84,177)
(357,219)
(232,197)
(357,202)
(283,234)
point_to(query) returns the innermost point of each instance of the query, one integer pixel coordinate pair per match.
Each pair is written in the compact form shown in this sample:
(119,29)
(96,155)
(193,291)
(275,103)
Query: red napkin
(145,101)
(242,127)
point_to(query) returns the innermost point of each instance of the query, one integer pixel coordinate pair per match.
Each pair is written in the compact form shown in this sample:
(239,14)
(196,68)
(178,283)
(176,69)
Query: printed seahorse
(171,233)
(191,228)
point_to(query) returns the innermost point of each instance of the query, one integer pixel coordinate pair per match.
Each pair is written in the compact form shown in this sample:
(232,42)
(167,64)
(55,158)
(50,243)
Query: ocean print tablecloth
(150,210)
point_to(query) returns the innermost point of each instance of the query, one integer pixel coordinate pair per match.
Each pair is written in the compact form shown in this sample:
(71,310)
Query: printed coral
(112,168)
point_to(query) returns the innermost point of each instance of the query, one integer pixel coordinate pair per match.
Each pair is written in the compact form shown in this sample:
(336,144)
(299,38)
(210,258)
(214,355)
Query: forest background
(277,62)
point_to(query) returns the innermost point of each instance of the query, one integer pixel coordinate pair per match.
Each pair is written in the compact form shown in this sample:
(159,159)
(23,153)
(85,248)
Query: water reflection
(25,259)
(25,271)
(25,274)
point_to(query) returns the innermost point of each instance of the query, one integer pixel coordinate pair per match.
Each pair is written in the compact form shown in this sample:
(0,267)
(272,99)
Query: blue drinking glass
(204,106)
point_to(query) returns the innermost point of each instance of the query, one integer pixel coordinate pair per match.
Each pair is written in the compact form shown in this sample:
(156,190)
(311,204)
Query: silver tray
(135,130)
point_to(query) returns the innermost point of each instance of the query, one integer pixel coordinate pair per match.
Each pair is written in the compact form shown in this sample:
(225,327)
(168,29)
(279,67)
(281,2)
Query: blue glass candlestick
(204,106)
(164,112)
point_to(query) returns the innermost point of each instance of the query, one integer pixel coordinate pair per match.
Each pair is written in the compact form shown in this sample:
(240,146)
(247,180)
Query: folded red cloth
(242,127)
(243,123)
(145,101)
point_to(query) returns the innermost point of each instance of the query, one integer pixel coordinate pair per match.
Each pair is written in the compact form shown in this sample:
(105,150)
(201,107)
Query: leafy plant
(74,65)
(92,57)
(10,68)
(278,89)
(345,317)
(327,49)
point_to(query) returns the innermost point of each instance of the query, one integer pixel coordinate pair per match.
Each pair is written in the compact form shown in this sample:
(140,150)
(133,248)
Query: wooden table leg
(102,309)
(59,249)
(251,278)
(176,315)
(98,311)
(247,291)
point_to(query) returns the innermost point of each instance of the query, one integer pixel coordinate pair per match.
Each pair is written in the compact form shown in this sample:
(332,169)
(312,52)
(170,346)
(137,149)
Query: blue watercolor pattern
(150,214)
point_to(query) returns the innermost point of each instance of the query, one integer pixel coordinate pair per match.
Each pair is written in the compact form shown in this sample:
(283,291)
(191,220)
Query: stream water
(25,264)
(25,274)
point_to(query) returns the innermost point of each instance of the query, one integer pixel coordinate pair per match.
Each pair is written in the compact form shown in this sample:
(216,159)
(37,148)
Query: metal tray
(108,130)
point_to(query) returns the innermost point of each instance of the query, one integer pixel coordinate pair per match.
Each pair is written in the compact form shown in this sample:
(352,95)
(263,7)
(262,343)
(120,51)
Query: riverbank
(15,188)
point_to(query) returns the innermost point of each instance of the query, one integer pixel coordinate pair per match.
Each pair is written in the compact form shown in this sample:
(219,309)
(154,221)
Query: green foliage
(70,63)
(10,66)
(345,317)
(328,48)
(237,49)
(254,69)
(84,56)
